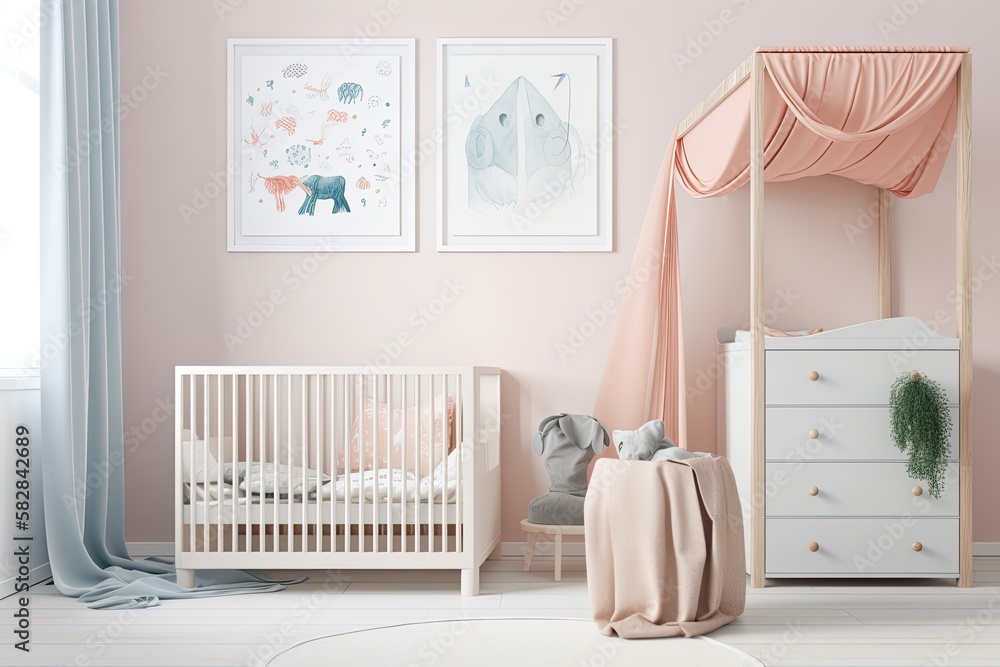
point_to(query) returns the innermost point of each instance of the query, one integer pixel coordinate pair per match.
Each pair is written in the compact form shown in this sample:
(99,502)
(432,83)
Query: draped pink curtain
(885,119)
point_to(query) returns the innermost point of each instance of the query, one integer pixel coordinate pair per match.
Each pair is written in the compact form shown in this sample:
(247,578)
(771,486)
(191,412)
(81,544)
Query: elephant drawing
(325,187)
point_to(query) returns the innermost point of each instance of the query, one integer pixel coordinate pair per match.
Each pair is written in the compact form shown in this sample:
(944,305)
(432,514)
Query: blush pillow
(437,436)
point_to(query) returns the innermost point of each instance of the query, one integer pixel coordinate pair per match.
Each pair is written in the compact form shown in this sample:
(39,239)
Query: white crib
(265,456)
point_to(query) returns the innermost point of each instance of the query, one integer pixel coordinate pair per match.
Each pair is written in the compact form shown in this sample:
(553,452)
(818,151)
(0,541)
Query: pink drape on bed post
(882,119)
(644,373)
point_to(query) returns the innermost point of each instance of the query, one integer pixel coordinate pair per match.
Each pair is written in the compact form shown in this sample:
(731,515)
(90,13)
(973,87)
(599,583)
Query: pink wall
(186,291)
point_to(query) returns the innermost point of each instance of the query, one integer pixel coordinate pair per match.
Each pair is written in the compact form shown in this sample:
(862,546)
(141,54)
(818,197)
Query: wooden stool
(533,529)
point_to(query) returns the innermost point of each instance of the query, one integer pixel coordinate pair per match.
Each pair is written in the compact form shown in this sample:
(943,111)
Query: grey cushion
(556,509)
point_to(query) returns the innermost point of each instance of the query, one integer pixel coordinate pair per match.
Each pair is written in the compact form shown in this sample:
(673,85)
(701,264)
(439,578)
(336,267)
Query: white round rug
(524,641)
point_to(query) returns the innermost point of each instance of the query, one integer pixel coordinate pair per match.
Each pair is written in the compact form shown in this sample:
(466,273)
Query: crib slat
(233,515)
(442,503)
(388,457)
(274,453)
(375,461)
(346,521)
(303,496)
(418,454)
(460,467)
(258,500)
(207,432)
(403,542)
(192,498)
(219,417)
(248,443)
(317,446)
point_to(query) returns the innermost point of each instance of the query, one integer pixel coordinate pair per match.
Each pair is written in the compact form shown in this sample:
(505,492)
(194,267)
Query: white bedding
(269,479)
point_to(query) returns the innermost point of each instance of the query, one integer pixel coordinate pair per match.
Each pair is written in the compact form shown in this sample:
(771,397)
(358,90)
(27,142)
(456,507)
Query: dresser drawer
(854,489)
(861,547)
(856,433)
(851,377)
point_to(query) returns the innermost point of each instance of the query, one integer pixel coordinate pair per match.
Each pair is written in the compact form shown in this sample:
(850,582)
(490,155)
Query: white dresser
(837,499)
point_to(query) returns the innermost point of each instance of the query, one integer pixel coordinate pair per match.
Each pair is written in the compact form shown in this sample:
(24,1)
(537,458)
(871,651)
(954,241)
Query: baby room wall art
(320,131)
(526,126)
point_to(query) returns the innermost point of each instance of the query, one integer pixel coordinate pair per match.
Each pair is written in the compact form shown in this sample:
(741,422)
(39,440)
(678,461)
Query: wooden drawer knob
(917,546)
(917,491)
(813,546)
(813,433)
(813,491)
(813,375)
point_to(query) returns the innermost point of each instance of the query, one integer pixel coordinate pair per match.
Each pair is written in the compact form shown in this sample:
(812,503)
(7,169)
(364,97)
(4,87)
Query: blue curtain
(82,429)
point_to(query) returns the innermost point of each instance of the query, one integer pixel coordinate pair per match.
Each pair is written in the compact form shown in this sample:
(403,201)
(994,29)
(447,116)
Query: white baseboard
(512,550)
(986,548)
(143,549)
(38,574)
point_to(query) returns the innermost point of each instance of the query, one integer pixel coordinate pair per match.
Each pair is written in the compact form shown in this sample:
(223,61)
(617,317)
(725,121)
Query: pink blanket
(664,547)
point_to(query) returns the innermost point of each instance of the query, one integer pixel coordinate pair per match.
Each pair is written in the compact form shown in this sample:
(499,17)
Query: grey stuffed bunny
(567,443)
(648,443)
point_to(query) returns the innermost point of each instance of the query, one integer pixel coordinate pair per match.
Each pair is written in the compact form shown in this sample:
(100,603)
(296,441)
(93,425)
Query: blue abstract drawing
(325,187)
(298,155)
(349,93)
(552,161)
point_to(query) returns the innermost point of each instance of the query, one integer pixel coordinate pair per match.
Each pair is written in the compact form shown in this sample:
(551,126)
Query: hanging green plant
(921,425)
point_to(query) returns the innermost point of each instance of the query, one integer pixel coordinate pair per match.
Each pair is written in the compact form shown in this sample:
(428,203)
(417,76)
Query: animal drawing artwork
(324,187)
(279,186)
(286,123)
(349,93)
(255,139)
(335,116)
(383,68)
(322,136)
(295,70)
(299,155)
(321,92)
(551,162)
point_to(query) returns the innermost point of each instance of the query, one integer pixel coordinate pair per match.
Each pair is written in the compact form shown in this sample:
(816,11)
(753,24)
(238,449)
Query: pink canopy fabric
(880,117)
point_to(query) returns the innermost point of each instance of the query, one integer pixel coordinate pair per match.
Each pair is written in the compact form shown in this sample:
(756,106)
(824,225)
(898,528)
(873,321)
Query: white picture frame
(317,116)
(535,205)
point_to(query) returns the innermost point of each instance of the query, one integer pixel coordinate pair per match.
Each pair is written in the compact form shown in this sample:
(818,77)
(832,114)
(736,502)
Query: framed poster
(319,131)
(527,136)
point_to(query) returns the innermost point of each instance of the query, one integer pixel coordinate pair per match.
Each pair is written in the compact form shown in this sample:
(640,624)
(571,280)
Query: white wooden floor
(805,623)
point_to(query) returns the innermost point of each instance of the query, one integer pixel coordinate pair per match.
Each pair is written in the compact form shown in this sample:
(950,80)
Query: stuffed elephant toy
(648,443)
(567,443)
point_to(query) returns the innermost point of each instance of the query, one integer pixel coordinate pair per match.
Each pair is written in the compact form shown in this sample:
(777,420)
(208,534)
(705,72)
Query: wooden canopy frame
(753,69)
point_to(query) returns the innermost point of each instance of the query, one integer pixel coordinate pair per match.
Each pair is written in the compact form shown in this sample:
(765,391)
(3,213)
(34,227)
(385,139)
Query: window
(20,27)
